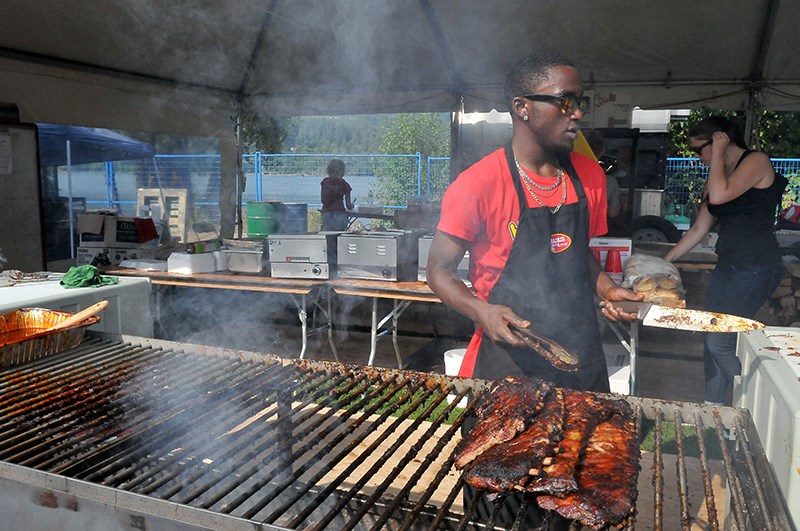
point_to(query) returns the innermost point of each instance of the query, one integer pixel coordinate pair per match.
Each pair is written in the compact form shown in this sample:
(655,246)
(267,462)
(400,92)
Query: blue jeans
(333,221)
(737,290)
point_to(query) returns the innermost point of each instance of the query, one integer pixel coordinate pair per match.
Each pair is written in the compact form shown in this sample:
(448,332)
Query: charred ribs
(576,451)
(512,405)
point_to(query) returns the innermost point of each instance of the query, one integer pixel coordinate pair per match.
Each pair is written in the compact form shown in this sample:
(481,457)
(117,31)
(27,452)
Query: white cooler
(128,311)
(770,388)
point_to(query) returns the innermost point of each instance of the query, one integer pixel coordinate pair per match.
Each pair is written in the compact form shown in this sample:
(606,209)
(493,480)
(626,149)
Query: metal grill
(174,436)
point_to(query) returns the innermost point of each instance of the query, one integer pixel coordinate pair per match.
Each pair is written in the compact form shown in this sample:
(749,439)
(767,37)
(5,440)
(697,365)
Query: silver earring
(525,118)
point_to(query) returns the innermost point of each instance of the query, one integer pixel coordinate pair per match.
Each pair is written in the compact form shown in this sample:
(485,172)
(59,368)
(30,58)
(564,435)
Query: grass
(669,444)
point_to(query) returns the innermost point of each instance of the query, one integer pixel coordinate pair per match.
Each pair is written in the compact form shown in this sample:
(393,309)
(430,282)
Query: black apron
(546,281)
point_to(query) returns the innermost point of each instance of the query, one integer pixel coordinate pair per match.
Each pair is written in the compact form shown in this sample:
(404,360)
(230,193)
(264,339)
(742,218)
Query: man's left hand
(616,313)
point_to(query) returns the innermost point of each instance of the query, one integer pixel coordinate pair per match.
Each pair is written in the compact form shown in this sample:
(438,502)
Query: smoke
(243,320)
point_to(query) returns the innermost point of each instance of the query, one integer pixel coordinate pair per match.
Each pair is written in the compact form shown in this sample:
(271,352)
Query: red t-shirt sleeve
(460,216)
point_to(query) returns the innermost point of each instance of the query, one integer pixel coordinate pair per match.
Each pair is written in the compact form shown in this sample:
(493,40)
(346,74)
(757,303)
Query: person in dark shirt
(335,195)
(742,194)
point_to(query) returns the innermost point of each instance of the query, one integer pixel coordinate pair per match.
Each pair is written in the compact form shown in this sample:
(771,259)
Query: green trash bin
(263,218)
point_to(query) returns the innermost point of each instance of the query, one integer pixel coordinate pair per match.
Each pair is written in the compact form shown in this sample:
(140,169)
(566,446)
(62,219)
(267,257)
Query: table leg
(373,337)
(394,315)
(399,308)
(330,328)
(634,356)
(301,313)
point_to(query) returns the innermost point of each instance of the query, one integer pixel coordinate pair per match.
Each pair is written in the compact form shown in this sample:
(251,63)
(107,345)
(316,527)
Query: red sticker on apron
(559,242)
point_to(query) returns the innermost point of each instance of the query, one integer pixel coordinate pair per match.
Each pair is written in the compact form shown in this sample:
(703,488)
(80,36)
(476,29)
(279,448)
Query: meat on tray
(584,412)
(576,451)
(512,404)
(602,499)
(507,466)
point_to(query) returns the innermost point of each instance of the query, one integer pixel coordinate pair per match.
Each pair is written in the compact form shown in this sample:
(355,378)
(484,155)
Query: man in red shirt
(526,213)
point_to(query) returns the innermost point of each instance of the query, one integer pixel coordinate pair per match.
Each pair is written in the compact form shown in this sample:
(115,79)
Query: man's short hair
(531,71)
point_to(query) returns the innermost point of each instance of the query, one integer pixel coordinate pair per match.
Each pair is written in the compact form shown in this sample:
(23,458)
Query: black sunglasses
(568,102)
(698,149)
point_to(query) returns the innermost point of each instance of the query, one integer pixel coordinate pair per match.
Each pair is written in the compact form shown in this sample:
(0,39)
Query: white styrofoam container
(189,264)
(769,387)
(452,364)
(618,361)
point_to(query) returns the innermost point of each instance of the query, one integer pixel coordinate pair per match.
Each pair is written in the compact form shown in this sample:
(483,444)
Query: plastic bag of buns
(658,280)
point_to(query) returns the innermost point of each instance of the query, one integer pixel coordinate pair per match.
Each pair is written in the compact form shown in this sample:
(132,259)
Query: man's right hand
(495,318)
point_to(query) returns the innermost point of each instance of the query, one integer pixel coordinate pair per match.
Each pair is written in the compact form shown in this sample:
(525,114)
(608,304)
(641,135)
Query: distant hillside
(335,134)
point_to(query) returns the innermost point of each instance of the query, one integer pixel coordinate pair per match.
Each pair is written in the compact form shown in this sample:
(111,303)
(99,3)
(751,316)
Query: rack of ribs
(511,406)
(584,412)
(576,451)
(506,466)
(612,454)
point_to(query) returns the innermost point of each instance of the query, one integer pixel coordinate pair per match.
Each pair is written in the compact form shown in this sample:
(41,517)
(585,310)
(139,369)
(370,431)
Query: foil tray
(25,334)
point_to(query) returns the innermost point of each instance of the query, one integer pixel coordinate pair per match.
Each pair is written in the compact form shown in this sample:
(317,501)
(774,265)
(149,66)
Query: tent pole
(456,121)
(752,122)
(240,178)
(69,201)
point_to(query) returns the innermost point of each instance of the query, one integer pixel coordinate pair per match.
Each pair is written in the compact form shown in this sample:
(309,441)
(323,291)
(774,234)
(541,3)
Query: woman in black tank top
(742,196)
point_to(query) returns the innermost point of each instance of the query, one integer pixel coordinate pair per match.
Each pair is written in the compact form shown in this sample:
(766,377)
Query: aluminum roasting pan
(83,477)
(25,334)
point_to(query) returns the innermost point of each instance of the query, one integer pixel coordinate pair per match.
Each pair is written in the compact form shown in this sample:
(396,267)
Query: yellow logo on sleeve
(512,228)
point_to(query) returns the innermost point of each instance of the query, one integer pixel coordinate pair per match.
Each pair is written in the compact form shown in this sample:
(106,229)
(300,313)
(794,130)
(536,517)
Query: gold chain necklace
(526,180)
(524,175)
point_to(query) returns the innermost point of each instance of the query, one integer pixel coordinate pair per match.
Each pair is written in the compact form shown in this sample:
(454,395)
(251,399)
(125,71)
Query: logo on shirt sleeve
(512,228)
(559,242)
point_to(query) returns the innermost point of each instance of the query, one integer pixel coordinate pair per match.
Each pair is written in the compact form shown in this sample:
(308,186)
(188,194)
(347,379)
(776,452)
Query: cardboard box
(105,230)
(109,257)
(611,109)
(603,245)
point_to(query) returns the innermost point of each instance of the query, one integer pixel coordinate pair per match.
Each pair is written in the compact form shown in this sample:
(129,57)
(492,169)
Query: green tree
(262,133)
(777,132)
(424,133)
(335,134)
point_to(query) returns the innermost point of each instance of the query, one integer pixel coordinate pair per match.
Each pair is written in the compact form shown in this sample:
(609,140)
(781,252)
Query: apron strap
(565,162)
(515,178)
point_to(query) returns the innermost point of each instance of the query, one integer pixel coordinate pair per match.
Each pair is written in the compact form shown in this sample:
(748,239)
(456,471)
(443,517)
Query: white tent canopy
(351,56)
(185,66)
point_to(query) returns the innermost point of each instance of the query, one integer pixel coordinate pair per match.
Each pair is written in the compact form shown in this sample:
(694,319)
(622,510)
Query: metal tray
(25,334)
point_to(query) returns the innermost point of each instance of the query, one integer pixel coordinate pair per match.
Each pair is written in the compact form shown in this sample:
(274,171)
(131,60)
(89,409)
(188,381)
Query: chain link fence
(393,181)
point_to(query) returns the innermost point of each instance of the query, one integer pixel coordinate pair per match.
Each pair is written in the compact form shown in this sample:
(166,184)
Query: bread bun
(668,283)
(645,284)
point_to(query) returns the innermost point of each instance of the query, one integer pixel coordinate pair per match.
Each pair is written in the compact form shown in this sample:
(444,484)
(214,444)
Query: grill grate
(289,444)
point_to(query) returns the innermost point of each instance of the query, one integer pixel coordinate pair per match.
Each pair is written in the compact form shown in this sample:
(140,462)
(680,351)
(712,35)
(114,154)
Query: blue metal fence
(685,178)
(438,177)
(295,178)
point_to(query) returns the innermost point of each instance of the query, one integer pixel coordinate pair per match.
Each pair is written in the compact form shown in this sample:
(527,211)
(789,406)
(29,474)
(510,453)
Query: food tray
(25,334)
